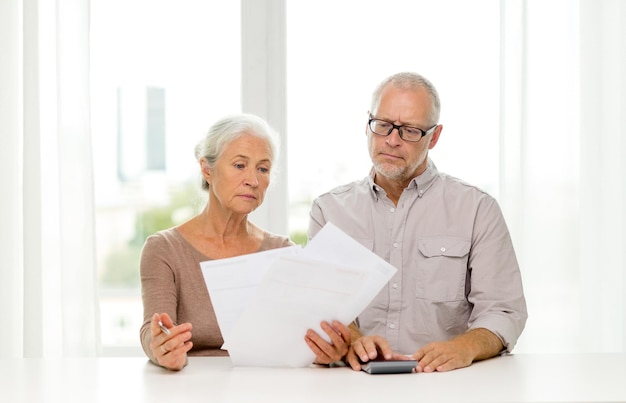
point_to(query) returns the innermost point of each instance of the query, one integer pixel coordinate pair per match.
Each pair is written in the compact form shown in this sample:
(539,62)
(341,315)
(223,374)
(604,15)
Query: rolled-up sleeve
(496,290)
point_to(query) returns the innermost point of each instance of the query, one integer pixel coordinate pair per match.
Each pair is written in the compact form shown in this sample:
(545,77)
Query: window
(167,71)
(334,61)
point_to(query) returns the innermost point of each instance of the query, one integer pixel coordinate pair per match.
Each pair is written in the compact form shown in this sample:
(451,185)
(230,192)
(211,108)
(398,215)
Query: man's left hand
(476,344)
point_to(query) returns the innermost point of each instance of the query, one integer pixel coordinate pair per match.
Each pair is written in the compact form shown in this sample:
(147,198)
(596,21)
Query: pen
(164,329)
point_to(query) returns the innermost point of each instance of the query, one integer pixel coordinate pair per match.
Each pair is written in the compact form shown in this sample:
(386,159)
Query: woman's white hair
(230,128)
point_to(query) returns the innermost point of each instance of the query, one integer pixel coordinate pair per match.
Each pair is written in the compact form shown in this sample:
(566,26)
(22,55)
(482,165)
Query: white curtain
(48,288)
(602,249)
(563,169)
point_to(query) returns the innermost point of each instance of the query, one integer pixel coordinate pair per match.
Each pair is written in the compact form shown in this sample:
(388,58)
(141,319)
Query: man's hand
(326,352)
(368,348)
(475,345)
(442,356)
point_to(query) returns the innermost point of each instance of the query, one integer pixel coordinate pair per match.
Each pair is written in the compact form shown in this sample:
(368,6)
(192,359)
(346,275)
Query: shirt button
(395,285)
(391,210)
(395,244)
(443,249)
(392,326)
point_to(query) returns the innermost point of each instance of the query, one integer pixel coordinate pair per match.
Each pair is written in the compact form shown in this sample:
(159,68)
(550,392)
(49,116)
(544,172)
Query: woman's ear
(206,170)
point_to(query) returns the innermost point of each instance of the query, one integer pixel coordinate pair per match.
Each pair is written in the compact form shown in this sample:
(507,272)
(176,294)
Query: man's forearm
(482,342)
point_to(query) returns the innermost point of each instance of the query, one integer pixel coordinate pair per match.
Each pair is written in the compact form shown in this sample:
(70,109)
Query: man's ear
(435,137)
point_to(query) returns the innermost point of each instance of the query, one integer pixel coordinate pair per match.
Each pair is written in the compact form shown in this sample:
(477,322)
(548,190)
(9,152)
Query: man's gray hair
(412,81)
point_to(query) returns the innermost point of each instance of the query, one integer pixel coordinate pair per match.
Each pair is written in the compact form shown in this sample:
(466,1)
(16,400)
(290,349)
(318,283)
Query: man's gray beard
(390,171)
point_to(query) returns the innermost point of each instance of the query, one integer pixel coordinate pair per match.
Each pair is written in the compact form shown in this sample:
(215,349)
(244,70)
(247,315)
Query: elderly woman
(236,159)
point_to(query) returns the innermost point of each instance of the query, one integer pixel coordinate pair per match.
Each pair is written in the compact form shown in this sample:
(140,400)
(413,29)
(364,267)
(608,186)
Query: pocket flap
(443,246)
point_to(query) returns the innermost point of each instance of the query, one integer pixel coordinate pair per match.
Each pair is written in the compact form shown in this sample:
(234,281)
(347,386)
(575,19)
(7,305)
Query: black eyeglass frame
(399,127)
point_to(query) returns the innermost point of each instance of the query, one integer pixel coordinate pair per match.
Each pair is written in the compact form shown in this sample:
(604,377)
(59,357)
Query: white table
(515,378)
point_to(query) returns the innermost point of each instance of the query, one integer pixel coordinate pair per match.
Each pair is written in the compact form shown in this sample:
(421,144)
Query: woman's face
(241,175)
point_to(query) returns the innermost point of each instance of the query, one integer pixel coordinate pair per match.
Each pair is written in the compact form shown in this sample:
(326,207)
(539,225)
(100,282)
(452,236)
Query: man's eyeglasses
(406,133)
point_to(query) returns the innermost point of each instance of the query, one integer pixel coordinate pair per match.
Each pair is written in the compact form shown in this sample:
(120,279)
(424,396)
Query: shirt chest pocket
(441,268)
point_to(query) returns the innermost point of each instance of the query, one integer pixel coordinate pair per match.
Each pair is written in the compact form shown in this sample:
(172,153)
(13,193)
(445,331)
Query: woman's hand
(170,350)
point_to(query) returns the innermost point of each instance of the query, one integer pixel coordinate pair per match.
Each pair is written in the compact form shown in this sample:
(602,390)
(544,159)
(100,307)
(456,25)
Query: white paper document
(266,301)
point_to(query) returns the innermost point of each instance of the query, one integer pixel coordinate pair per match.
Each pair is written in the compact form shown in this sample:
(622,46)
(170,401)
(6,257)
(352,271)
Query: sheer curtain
(562,170)
(563,186)
(602,250)
(48,292)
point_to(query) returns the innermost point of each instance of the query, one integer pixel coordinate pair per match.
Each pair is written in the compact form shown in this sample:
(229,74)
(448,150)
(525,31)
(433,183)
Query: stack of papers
(265,302)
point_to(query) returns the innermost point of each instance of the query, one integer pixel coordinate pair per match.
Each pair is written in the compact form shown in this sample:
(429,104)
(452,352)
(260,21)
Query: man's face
(393,158)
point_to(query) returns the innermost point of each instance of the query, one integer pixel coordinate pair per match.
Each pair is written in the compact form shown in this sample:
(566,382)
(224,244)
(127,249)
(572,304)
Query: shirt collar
(424,181)
(421,182)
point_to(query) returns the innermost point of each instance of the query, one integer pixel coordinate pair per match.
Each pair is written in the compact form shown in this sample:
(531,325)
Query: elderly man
(457,296)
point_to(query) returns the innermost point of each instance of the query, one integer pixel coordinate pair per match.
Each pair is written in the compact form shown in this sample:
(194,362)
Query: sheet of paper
(333,245)
(296,294)
(233,281)
(266,316)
